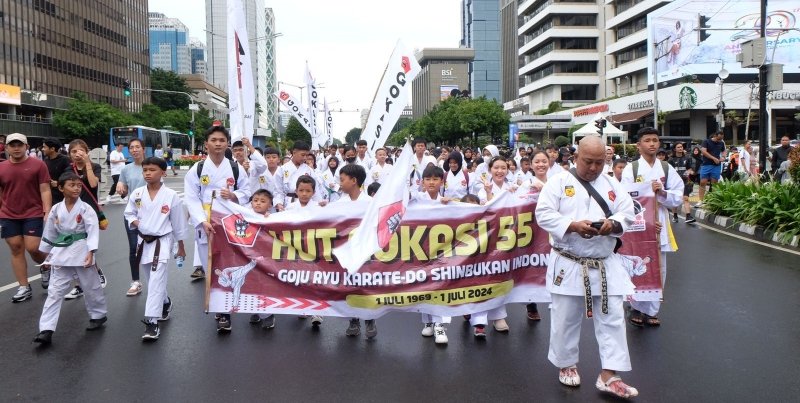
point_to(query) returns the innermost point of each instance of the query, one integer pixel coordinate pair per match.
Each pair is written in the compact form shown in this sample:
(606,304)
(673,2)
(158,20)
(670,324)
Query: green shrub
(771,205)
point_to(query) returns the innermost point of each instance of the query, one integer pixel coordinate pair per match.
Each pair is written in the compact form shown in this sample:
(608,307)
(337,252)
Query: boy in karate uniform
(287,175)
(156,212)
(71,236)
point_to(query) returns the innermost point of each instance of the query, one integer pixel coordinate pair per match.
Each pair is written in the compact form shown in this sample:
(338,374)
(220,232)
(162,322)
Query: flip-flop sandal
(636,318)
(652,320)
(614,385)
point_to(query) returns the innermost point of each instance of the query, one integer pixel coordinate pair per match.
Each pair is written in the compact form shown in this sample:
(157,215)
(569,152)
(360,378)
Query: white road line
(749,239)
(16,284)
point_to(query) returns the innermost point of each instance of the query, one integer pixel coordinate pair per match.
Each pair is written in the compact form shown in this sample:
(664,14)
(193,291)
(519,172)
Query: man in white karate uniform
(583,272)
(668,186)
(254,164)
(287,174)
(215,174)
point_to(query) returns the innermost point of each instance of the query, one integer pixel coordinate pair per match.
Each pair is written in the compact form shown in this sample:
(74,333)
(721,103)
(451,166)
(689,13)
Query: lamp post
(722,75)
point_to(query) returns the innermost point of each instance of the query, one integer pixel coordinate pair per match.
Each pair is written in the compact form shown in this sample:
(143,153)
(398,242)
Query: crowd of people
(49,208)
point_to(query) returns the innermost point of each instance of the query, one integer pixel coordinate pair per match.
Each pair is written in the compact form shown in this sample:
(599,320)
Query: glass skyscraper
(480,30)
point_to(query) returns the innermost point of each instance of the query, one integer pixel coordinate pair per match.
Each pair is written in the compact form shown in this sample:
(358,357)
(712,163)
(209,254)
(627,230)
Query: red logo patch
(388,221)
(406,64)
(78,219)
(165,209)
(239,231)
(611,195)
(230,182)
(283,95)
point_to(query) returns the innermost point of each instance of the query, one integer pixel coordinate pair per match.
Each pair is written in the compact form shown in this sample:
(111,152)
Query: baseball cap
(16,137)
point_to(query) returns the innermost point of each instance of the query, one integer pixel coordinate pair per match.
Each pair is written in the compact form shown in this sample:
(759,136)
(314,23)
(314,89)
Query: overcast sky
(346,42)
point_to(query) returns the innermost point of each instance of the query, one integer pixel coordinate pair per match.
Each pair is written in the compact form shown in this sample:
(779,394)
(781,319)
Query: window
(631,54)
(577,20)
(631,27)
(578,92)
(578,67)
(578,43)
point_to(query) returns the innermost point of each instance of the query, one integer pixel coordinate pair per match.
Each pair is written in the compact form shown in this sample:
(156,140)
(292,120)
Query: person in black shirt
(780,154)
(711,168)
(57,164)
(683,165)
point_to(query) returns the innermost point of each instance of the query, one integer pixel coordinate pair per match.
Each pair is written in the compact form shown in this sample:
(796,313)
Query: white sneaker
(136,289)
(441,333)
(427,331)
(316,320)
(75,293)
(108,199)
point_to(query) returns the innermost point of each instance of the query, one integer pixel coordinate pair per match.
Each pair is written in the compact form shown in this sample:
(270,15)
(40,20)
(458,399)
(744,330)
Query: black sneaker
(690,219)
(24,293)
(372,328)
(76,292)
(254,318)
(224,323)
(354,329)
(44,337)
(95,324)
(674,217)
(198,273)
(268,322)
(151,331)
(165,310)
(103,280)
(44,270)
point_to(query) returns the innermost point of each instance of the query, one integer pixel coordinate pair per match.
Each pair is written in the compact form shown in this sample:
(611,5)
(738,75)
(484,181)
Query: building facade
(480,31)
(259,33)
(214,99)
(197,51)
(53,49)
(443,71)
(169,44)
(509,47)
(268,119)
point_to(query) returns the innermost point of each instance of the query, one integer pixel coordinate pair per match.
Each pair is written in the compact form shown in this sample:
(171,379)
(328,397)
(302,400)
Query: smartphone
(597,225)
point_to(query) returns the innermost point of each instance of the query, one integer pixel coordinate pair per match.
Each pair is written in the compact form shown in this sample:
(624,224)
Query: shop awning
(629,117)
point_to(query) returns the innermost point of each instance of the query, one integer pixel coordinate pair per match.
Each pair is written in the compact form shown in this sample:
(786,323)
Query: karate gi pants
(483,318)
(61,284)
(567,314)
(652,307)
(426,318)
(156,283)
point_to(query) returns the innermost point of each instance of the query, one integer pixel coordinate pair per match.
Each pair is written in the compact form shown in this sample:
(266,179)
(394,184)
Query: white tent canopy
(590,129)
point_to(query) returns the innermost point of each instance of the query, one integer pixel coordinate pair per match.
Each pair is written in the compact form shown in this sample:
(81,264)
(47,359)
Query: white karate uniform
(361,197)
(425,197)
(457,185)
(286,182)
(554,169)
(378,174)
(295,205)
(161,216)
(562,201)
(367,162)
(197,195)
(257,177)
(330,182)
(672,199)
(67,262)
(523,177)
(418,167)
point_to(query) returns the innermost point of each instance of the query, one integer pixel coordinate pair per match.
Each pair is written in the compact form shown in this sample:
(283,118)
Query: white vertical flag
(241,90)
(382,218)
(391,97)
(295,107)
(313,109)
(328,123)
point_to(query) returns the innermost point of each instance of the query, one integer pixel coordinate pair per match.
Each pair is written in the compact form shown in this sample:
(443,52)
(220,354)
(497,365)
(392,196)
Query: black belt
(292,195)
(587,263)
(156,253)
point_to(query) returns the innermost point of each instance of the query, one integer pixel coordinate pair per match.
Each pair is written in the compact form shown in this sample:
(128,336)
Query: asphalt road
(730,334)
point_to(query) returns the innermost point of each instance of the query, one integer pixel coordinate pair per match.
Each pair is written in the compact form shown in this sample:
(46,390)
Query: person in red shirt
(25,200)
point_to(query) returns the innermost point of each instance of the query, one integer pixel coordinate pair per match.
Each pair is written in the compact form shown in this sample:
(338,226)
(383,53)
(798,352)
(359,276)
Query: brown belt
(156,253)
(587,263)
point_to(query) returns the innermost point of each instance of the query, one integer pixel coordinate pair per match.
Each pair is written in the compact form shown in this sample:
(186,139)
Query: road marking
(744,238)
(16,283)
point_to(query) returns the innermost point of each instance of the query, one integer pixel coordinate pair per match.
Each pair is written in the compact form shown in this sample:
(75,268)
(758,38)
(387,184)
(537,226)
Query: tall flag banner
(313,109)
(241,89)
(382,218)
(391,97)
(296,108)
(328,123)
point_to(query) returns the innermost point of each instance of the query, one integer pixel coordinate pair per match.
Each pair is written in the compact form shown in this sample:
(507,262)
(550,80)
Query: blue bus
(181,142)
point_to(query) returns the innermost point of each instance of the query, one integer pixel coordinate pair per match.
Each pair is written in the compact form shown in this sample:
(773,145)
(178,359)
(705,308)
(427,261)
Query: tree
(337,142)
(352,136)
(89,119)
(455,118)
(561,141)
(295,132)
(169,81)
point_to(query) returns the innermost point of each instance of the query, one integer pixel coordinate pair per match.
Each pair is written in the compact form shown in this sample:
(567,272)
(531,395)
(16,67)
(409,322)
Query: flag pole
(209,269)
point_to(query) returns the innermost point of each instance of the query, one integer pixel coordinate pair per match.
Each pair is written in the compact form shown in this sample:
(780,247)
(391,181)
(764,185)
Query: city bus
(181,143)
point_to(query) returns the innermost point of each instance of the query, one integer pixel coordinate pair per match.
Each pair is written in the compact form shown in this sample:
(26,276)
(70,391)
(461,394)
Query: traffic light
(191,129)
(702,25)
(600,124)
(126,87)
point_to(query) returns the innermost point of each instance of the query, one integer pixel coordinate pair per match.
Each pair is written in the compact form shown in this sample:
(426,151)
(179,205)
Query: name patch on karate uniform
(569,191)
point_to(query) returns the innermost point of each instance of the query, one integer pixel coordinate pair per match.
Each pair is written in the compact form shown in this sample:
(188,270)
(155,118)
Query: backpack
(234,168)
(664,166)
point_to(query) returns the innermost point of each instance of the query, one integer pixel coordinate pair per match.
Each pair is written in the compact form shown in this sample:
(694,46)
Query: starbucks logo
(687,98)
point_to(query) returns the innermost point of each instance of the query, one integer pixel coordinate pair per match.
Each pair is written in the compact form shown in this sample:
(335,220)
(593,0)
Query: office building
(54,49)
(509,47)
(480,31)
(267,71)
(444,70)
(169,44)
(213,99)
(197,50)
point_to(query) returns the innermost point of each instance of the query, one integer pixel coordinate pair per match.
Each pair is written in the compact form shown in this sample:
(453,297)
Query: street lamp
(722,75)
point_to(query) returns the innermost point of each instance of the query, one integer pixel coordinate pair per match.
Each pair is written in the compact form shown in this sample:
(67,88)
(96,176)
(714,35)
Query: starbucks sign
(687,98)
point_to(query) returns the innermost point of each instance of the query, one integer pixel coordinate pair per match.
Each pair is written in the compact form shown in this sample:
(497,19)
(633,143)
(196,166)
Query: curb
(754,231)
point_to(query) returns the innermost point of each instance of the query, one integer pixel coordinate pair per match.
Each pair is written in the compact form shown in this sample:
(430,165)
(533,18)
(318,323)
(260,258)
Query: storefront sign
(10,94)
(687,98)
(635,106)
(590,110)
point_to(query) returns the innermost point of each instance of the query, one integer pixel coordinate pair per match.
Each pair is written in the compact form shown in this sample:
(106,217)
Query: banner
(391,97)
(446,260)
(296,108)
(10,94)
(241,89)
(328,123)
(641,247)
(313,109)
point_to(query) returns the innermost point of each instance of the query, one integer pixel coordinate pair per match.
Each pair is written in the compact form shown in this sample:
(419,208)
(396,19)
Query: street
(730,333)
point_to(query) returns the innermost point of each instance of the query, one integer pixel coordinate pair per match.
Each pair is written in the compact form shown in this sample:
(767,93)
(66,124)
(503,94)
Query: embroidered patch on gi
(204,180)
(230,182)
(78,219)
(164,209)
(138,203)
(639,179)
(569,191)
(559,278)
(262,179)
(611,195)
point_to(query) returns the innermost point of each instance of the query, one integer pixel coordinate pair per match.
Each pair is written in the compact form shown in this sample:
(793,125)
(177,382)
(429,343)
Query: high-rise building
(169,44)
(480,30)
(269,103)
(197,50)
(54,49)
(261,37)
(443,72)
(509,48)
(561,42)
